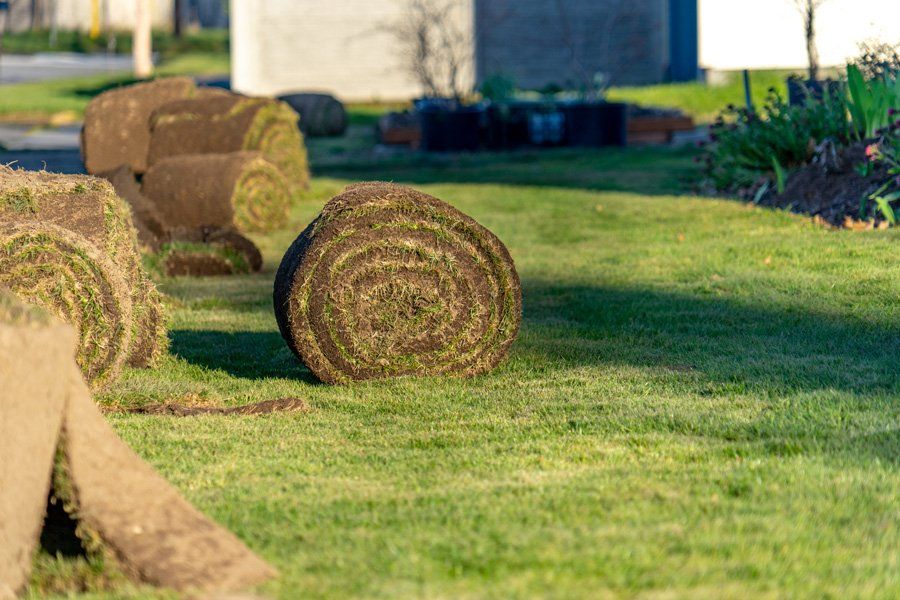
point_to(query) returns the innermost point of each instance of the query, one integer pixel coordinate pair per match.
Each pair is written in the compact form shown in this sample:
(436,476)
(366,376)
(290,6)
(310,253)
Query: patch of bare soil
(259,408)
(831,189)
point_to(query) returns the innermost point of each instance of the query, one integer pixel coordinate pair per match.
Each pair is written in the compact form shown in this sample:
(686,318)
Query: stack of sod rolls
(55,443)
(191,211)
(67,243)
(226,123)
(389,281)
(116,128)
(321,115)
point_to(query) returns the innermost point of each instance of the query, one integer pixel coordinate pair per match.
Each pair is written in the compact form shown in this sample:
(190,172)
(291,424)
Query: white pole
(141,45)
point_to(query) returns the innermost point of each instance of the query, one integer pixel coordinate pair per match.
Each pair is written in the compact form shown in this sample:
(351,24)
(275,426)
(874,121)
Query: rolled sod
(321,115)
(198,260)
(89,207)
(388,281)
(65,273)
(147,220)
(117,123)
(240,189)
(223,123)
(56,443)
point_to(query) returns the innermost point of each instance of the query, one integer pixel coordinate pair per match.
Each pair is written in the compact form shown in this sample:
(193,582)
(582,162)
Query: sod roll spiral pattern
(63,272)
(388,281)
(239,189)
(89,207)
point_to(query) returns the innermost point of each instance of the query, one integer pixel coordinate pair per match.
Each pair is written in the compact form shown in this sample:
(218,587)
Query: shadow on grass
(776,348)
(245,354)
(815,372)
(647,170)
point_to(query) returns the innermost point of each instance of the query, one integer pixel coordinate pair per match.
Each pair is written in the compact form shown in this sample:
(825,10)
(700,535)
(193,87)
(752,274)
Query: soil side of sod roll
(125,513)
(90,207)
(239,189)
(116,123)
(388,281)
(34,350)
(220,124)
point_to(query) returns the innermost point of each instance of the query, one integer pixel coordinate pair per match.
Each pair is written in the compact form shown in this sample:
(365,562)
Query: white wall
(337,46)
(754,34)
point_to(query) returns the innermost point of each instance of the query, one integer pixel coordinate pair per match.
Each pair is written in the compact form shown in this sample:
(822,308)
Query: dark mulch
(831,188)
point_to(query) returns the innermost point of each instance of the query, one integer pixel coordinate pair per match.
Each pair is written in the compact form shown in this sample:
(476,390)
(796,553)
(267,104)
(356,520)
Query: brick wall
(562,42)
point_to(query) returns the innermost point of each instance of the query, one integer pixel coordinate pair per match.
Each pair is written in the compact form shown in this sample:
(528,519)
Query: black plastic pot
(507,125)
(596,123)
(450,130)
(800,90)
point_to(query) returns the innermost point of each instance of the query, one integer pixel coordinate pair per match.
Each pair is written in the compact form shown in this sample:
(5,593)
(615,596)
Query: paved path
(55,161)
(15,136)
(15,68)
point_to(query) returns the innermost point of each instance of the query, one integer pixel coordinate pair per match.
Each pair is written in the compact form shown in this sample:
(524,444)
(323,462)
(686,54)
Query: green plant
(884,152)
(745,146)
(871,101)
(498,88)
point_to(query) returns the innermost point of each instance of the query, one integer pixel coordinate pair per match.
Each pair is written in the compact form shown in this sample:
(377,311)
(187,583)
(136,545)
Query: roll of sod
(218,190)
(117,123)
(388,281)
(90,207)
(218,124)
(60,270)
(147,221)
(321,115)
(181,259)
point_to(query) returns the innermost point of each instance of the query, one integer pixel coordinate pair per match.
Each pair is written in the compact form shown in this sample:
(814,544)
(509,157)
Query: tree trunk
(177,13)
(812,53)
(142,49)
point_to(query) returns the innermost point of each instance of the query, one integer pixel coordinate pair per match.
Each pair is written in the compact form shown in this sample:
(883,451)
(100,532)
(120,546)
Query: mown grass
(704,402)
(704,101)
(41,100)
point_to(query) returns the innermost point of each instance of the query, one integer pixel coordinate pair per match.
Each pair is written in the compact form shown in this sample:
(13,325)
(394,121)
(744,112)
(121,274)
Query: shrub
(746,145)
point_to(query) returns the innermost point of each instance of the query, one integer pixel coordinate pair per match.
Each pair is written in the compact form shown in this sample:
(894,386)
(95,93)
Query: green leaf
(780,175)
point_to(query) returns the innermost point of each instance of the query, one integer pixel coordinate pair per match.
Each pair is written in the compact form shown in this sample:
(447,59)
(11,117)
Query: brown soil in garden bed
(831,189)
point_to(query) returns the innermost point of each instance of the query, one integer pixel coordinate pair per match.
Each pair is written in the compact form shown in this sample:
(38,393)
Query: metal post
(748,97)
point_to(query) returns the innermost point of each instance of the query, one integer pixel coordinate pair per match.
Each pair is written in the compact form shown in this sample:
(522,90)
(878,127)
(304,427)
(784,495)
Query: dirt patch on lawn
(280,405)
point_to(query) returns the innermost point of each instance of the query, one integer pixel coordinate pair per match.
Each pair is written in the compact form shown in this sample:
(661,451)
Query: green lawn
(703,101)
(40,100)
(704,402)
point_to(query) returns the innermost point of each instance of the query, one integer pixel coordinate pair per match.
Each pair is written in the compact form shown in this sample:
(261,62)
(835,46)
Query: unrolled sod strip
(223,123)
(90,207)
(35,354)
(124,511)
(117,123)
(389,281)
(218,190)
(62,271)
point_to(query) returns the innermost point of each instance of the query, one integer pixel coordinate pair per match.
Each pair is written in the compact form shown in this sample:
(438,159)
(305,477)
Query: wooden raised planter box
(656,130)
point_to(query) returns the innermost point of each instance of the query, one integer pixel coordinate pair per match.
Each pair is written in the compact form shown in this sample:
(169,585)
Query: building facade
(351,47)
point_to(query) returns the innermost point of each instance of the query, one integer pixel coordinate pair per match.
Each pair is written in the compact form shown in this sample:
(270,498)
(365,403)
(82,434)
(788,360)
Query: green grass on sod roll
(703,401)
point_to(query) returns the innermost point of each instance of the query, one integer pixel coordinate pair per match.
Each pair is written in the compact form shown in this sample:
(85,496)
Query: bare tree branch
(434,49)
